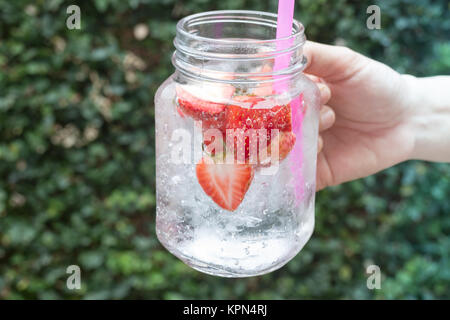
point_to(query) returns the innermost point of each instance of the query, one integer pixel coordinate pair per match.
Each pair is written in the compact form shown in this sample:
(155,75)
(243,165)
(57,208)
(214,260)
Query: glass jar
(236,144)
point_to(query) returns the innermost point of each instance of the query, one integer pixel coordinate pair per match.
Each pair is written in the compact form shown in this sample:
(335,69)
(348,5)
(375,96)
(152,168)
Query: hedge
(77,159)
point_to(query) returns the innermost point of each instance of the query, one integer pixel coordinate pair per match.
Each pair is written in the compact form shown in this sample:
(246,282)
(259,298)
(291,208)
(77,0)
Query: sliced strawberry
(244,145)
(276,118)
(226,184)
(207,91)
(188,98)
(213,141)
(286,142)
(198,102)
(180,112)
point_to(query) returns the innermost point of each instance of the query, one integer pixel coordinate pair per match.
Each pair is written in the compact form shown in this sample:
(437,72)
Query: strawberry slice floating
(192,103)
(276,118)
(286,142)
(191,98)
(226,184)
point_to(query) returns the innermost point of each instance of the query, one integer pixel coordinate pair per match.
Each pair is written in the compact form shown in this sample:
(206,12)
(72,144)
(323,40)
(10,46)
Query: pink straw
(284,29)
(285,20)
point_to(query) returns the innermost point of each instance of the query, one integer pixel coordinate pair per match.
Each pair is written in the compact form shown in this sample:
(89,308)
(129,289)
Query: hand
(372,130)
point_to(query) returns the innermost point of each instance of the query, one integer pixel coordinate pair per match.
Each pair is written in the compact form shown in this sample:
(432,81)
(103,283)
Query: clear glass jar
(234,200)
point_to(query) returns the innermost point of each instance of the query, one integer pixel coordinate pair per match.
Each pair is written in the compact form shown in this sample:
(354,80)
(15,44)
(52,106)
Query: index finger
(329,62)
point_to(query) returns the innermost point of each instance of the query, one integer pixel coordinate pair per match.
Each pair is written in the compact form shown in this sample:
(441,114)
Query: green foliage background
(77,159)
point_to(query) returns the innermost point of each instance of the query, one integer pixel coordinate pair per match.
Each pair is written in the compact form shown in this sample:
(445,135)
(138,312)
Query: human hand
(373,128)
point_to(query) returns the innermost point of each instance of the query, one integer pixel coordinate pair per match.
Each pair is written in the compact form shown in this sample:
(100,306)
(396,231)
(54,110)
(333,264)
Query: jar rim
(297,27)
(206,40)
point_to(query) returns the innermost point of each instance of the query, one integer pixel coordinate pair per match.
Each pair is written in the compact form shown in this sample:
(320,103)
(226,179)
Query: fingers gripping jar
(236,144)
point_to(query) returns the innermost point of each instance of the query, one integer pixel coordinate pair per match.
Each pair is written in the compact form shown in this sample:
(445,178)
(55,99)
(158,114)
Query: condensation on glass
(252,216)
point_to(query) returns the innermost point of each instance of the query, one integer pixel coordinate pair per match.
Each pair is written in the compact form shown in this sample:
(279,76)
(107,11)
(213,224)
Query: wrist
(429,119)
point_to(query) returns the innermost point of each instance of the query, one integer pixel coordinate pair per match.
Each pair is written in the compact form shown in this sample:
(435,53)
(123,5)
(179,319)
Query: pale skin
(372,117)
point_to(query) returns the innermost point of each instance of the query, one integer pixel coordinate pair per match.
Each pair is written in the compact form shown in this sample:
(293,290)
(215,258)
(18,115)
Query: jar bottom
(268,255)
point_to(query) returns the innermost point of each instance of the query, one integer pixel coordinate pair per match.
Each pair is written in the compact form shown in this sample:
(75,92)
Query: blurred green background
(77,159)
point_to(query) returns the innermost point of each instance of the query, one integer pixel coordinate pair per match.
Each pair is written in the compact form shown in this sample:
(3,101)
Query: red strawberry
(213,141)
(210,113)
(180,112)
(277,118)
(188,97)
(226,184)
(286,142)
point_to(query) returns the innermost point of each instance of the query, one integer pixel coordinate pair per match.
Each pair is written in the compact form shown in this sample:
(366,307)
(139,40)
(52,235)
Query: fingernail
(313,78)
(319,144)
(326,116)
(325,92)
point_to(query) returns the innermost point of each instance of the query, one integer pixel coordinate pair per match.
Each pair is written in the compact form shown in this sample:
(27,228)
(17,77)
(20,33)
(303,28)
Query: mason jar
(236,144)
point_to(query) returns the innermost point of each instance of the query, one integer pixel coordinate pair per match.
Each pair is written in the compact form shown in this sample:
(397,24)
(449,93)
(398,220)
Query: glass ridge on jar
(227,205)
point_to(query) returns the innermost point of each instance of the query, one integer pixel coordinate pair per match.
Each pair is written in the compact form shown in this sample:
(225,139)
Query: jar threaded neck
(212,44)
